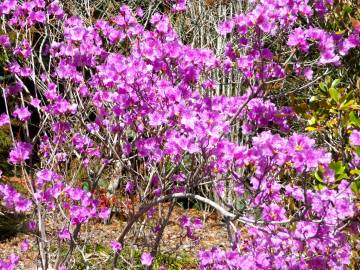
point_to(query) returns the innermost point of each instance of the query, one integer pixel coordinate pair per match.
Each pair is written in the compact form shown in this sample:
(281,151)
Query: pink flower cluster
(9,264)
(270,17)
(117,90)
(14,200)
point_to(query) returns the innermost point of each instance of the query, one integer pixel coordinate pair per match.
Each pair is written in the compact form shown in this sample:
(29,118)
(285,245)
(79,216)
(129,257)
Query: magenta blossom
(104,213)
(22,113)
(274,212)
(4,119)
(146,259)
(5,41)
(25,245)
(64,234)
(31,226)
(179,6)
(116,246)
(20,152)
(226,27)
(355,138)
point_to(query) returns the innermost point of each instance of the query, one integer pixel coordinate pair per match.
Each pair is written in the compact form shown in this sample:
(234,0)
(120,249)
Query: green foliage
(332,113)
(10,224)
(331,108)
(5,145)
(132,257)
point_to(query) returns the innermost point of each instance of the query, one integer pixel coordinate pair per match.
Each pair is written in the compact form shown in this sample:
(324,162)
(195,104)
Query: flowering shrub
(116,93)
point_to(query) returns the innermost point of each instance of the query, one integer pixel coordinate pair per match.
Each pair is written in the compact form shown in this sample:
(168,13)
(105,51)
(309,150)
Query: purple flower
(4,119)
(81,142)
(31,225)
(22,113)
(5,41)
(197,223)
(21,204)
(205,257)
(351,42)
(298,38)
(56,10)
(220,188)
(46,175)
(20,152)
(308,73)
(209,84)
(35,102)
(64,234)
(180,6)
(130,187)
(104,213)
(185,221)
(305,230)
(273,212)
(25,245)
(146,259)
(355,138)
(226,27)
(23,49)
(14,259)
(116,246)
(139,12)
(13,89)
(75,193)
(38,16)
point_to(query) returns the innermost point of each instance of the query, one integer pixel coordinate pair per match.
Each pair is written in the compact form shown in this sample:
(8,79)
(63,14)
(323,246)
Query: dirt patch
(174,239)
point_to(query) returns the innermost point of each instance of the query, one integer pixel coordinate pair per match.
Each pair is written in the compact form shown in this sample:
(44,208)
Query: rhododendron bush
(126,97)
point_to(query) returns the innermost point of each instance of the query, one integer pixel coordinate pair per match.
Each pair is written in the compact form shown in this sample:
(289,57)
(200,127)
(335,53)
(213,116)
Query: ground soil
(174,240)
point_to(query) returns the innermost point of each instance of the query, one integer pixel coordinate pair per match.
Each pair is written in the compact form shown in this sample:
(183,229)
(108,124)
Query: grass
(132,256)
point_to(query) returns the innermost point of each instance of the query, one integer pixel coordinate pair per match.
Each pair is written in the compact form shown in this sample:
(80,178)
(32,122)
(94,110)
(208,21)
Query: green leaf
(322,86)
(319,186)
(332,110)
(312,121)
(335,83)
(311,128)
(318,177)
(353,119)
(356,187)
(337,167)
(86,186)
(342,176)
(335,95)
(355,171)
(347,9)
(328,80)
(345,105)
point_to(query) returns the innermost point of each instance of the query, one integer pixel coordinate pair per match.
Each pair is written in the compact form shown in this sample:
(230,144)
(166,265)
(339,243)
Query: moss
(5,145)
(175,262)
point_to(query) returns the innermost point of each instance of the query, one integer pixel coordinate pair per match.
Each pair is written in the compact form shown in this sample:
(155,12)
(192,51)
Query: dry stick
(161,232)
(42,246)
(228,230)
(42,238)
